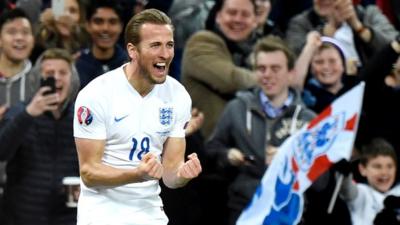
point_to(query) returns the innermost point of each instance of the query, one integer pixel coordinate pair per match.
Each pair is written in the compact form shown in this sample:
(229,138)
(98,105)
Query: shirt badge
(165,116)
(85,117)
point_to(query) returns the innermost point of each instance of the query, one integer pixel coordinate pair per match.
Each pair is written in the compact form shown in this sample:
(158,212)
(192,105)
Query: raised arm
(19,120)
(177,172)
(304,60)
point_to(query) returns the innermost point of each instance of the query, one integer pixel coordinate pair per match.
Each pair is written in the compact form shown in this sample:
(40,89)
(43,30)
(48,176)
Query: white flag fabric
(301,159)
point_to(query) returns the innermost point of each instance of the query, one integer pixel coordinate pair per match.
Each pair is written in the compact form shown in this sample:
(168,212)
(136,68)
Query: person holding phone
(16,43)
(62,26)
(36,140)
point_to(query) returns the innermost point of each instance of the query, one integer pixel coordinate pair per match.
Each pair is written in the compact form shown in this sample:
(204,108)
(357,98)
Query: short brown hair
(57,53)
(272,44)
(377,147)
(153,16)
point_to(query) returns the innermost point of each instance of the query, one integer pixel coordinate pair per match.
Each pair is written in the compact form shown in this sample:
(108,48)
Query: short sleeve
(89,116)
(183,106)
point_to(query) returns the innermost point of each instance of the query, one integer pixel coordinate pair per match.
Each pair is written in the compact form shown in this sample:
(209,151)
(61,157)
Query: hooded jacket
(245,126)
(40,152)
(19,87)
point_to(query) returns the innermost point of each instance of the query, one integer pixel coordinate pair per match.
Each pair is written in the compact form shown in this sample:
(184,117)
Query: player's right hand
(150,167)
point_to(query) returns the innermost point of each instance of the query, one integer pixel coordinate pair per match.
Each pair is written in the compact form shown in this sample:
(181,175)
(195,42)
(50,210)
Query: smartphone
(57,7)
(50,82)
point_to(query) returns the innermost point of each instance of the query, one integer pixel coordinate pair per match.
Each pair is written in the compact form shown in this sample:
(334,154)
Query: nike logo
(121,118)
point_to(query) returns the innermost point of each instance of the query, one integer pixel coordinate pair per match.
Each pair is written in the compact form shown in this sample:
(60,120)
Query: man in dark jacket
(256,122)
(36,139)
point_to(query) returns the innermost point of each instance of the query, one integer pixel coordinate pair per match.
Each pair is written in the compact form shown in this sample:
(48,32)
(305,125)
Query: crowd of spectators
(243,97)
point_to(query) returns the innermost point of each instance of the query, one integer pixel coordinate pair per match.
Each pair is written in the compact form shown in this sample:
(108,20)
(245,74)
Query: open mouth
(383,180)
(160,67)
(237,28)
(19,47)
(59,90)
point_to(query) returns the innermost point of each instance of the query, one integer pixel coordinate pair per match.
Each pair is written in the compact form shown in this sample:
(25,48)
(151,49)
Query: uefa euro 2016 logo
(166,116)
(84,115)
(317,140)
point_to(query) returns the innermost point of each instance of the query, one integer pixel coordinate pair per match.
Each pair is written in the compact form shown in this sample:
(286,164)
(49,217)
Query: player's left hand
(191,168)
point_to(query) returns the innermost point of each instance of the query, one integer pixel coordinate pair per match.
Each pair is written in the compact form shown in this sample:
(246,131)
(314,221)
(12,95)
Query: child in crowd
(378,164)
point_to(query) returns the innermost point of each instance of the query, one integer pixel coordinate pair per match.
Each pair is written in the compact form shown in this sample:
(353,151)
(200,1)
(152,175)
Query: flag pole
(339,182)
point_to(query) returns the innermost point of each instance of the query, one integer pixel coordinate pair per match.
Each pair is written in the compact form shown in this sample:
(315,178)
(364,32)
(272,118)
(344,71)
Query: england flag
(301,159)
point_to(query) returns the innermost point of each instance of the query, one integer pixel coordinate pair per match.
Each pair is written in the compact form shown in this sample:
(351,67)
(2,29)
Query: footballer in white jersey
(110,109)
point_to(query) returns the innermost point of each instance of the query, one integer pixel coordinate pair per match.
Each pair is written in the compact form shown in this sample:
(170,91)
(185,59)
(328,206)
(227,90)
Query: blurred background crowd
(329,47)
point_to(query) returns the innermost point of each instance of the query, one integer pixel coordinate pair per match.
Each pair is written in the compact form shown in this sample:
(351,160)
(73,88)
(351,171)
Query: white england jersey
(110,109)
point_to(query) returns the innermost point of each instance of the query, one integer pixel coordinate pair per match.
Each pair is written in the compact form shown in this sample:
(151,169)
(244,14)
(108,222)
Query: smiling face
(237,19)
(380,172)
(104,28)
(154,52)
(61,71)
(327,67)
(16,40)
(273,74)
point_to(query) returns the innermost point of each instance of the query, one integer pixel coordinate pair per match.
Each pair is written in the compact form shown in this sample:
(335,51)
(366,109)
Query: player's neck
(138,81)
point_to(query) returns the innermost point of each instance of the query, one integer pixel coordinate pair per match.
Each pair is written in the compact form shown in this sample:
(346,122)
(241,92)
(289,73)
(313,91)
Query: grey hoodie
(19,87)
(42,151)
(35,75)
(245,126)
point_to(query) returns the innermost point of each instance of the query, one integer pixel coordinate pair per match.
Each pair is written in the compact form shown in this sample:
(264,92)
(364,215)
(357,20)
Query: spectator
(381,93)
(322,60)
(16,43)
(65,31)
(188,17)
(256,122)
(378,164)
(362,31)
(378,118)
(328,78)
(36,139)
(104,25)
(216,62)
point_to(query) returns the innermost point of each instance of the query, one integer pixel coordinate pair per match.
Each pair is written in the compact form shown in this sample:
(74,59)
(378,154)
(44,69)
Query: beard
(148,76)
